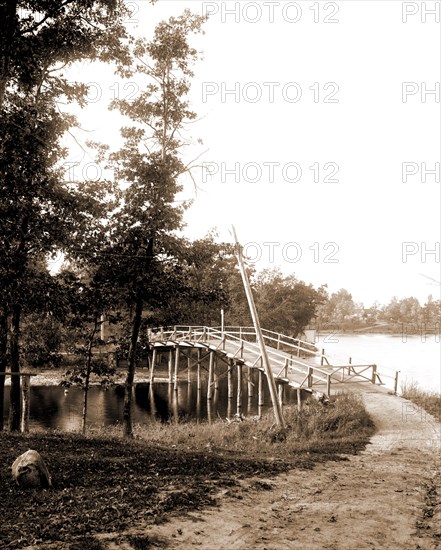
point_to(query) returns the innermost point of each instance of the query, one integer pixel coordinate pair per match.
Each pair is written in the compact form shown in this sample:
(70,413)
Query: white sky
(349,233)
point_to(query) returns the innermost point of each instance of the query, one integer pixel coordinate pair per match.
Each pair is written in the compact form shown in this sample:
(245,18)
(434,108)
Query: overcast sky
(321,126)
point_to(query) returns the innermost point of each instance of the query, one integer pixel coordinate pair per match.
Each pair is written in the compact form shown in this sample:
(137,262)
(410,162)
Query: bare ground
(386,497)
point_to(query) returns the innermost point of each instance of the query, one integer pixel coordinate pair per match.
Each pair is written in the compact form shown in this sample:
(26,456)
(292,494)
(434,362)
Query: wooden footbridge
(293,362)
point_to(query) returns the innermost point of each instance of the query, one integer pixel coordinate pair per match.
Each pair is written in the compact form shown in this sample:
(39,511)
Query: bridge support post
(176,368)
(210,376)
(260,396)
(152,371)
(170,366)
(328,385)
(198,372)
(189,367)
(239,389)
(299,400)
(396,382)
(374,374)
(280,389)
(215,377)
(321,358)
(250,383)
(230,379)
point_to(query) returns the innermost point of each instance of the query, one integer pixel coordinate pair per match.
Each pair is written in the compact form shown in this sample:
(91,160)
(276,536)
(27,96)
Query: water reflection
(52,407)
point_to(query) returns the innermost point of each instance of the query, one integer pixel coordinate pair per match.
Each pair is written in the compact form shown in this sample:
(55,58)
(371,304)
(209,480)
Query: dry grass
(342,426)
(429,401)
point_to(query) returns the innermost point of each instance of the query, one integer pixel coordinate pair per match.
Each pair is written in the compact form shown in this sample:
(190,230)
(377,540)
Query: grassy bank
(102,483)
(429,401)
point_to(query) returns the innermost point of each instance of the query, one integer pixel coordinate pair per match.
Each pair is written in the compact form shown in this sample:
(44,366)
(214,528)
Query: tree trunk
(3,349)
(88,370)
(8,12)
(14,402)
(136,325)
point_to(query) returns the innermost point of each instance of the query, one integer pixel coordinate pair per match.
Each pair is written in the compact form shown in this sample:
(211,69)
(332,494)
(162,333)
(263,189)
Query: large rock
(29,470)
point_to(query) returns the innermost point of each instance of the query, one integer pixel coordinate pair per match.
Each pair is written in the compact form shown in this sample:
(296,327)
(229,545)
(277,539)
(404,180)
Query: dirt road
(387,497)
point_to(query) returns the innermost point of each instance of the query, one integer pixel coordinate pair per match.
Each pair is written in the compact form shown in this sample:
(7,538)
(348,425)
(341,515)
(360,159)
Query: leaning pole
(280,421)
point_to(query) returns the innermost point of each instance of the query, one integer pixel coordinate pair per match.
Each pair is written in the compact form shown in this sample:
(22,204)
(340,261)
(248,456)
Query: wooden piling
(152,370)
(260,396)
(210,376)
(198,372)
(189,367)
(230,379)
(250,382)
(239,389)
(299,400)
(177,353)
(215,376)
(170,366)
(280,391)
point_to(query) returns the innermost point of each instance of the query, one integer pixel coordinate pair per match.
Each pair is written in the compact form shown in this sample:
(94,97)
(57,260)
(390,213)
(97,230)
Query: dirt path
(383,498)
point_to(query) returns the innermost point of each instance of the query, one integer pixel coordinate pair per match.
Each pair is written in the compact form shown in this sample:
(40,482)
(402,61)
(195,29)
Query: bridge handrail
(217,334)
(281,339)
(278,357)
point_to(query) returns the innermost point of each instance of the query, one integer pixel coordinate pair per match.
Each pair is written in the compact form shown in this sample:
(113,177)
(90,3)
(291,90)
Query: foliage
(40,213)
(41,342)
(284,303)
(79,374)
(429,401)
(142,230)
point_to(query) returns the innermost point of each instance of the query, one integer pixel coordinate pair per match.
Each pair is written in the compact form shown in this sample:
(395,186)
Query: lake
(51,407)
(418,359)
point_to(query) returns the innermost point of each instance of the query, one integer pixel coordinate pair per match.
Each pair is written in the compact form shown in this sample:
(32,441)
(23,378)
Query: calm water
(51,407)
(418,360)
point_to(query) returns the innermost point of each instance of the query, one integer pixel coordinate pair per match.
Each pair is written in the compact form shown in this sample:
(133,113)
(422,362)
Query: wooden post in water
(177,353)
(25,402)
(152,371)
(170,366)
(189,367)
(280,421)
(215,376)
(239,388)
(230,379)
(250,383)
(210,376)
(198,372)
(396,382)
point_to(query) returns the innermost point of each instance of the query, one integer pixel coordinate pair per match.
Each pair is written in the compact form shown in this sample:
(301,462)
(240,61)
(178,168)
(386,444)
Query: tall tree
(38,212)
(284,303)
(150,163)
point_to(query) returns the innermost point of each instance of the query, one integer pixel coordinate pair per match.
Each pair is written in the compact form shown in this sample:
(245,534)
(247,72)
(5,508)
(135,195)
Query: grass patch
(104,484)
(430,401)
(340,427)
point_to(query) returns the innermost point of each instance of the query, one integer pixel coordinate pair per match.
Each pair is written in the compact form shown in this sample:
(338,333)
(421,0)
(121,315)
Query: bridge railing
(281,364)
(285,354)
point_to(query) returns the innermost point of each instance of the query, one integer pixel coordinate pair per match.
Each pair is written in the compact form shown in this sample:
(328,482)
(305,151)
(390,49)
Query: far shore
(55,377)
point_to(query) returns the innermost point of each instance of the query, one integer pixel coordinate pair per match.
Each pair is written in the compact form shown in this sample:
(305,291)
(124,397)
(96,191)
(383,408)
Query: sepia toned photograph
(220,279)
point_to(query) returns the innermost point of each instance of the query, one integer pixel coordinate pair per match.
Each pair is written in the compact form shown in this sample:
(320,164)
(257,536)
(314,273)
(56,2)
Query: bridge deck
(292,361)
